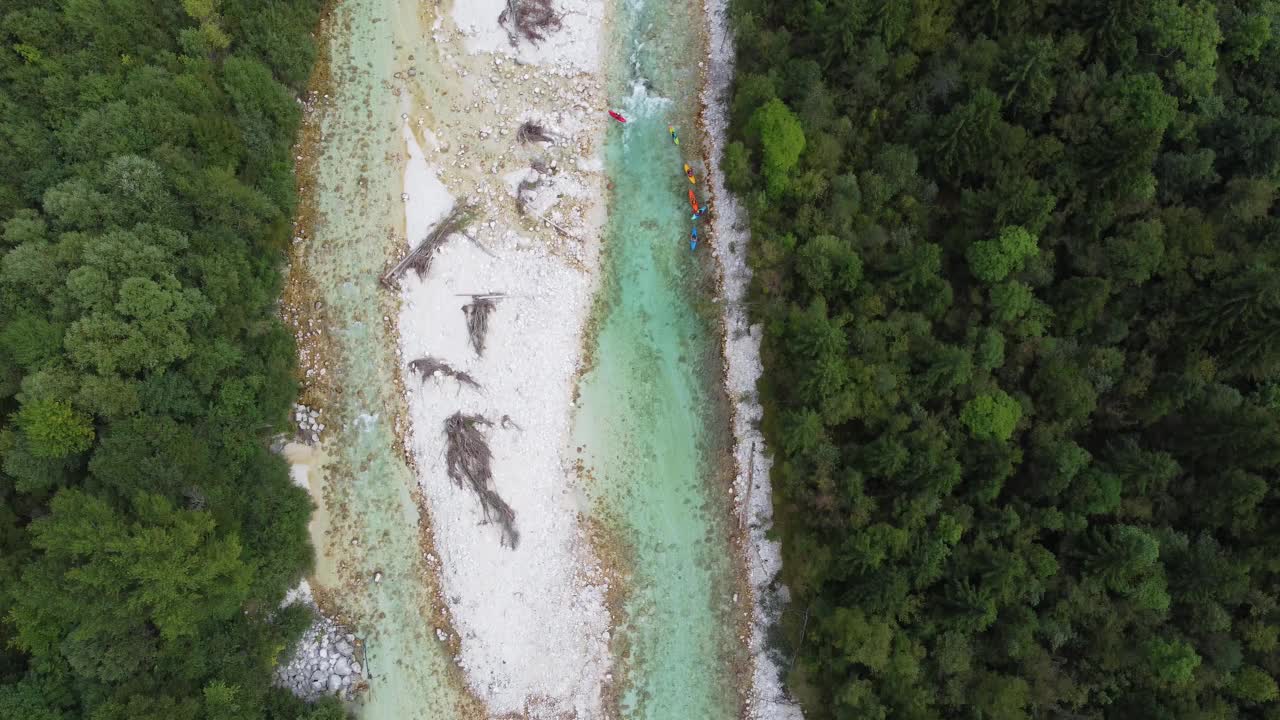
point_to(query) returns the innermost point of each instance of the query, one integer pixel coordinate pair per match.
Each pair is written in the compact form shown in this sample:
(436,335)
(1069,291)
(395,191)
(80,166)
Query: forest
(1016,264)
(147,534)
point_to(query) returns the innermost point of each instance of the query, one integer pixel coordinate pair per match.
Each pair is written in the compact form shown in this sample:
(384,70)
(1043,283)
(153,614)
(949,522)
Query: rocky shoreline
(753,495)
(328,659)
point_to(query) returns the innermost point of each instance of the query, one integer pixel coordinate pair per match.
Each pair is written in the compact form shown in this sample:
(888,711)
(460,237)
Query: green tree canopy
(781,140)
(1025,462)
(54,430)
(991,415)
(992,260)
(147,534)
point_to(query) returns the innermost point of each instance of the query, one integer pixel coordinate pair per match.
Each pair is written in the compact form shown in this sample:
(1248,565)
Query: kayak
(693,239)
(688,171)
(617,116)
(693,200)
(671,129)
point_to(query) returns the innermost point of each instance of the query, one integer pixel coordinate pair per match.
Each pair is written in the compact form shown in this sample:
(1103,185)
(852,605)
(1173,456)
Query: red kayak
(693,200)
(617,116)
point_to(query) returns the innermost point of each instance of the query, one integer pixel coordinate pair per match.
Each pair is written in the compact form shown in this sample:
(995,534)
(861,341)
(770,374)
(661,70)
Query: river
(353,212)
(652,421)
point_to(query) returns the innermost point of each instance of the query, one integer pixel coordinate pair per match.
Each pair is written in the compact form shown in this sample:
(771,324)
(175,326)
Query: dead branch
(560,228)
(419,259)
(428,366)
(483,248)
(477,314)
(469,463)
(530,131)
(531,19)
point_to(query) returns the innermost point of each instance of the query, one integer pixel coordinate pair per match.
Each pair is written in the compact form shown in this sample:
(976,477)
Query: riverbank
(373,575)
(528,603)
(742,368)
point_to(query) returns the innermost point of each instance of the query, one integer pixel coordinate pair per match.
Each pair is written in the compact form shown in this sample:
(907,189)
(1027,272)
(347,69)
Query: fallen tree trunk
(469,464)
(428,366)
(477,314)
(420,257)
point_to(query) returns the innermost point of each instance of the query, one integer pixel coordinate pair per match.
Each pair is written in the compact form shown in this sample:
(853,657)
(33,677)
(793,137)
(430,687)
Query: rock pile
(309,425)
(326,662)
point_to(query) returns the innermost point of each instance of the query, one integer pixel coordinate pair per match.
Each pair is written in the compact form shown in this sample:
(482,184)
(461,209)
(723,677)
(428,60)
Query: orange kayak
(693,200)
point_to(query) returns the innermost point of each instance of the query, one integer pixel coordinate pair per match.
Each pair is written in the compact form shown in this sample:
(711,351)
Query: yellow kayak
(688,172)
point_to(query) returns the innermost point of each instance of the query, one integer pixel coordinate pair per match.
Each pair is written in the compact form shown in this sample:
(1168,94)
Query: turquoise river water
(373,514)
(652,418)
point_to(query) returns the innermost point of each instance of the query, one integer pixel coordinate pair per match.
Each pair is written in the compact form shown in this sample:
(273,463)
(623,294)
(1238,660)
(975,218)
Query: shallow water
(359,211)
(652,421)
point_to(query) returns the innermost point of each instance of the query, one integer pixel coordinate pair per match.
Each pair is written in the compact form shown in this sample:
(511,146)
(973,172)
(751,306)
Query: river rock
(325,651)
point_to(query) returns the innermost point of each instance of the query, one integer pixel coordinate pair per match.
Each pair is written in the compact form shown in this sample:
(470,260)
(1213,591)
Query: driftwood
(477,314)
(428,366)
(530,131)
(559,228)
(489,295)
(469,463)
(507,423)
(419,259)
(530,19)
